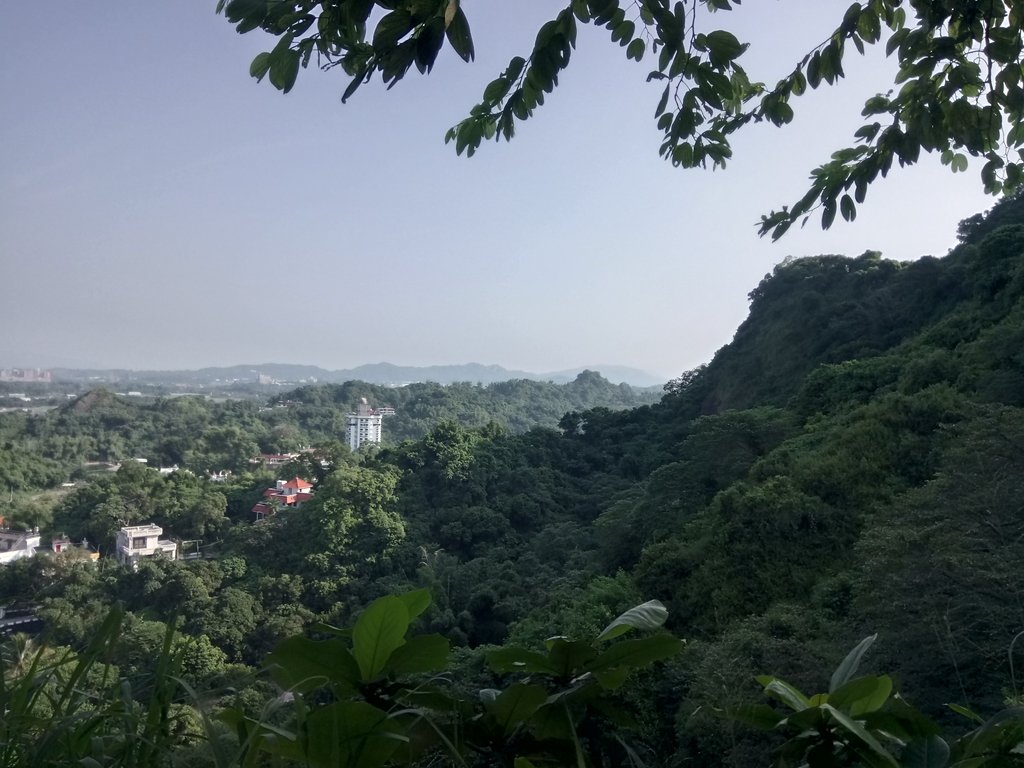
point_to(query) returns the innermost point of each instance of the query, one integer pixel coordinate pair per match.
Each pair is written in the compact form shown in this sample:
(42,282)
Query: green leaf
(896,40)
(902,720)
(515,68)
(828,213)
(392,28)
(284,64)
(1002,732)
(428,45)
(260,65)
(516,704)
(847,208)
(459,36)
(723,47)
(666,57)
(649,615)
(496,90)
(420,654)
(928,752)
(570,657)
(623,32)
(635,50)
(636,653)
(855,728)
(662,103)
(848,668)
(246,10)
(862,695)
(810,719)
(968,713)
(284,71)
(850,17)
(814,70)
(416,602)
(869,27)
(517,105)
(351,733)
(380,630)
(552,722)
(357,81)
(301,664)
(612,679)
(784,692)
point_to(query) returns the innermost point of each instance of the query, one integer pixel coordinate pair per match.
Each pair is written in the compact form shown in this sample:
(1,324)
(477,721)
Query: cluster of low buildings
(16,545)
(138,542)
(134,543)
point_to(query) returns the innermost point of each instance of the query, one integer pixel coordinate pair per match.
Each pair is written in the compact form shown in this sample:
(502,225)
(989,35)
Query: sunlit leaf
(848,668)
(649,615)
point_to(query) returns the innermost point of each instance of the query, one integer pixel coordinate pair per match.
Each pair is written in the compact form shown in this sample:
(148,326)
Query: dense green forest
(851,463)
(207,435)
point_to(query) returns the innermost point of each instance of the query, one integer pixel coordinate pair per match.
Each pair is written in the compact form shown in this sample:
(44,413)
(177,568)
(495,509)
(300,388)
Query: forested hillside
(205,435)
(851,463)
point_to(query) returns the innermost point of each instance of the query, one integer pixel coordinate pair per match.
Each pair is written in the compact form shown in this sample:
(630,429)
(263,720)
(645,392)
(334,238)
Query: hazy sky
(160,209)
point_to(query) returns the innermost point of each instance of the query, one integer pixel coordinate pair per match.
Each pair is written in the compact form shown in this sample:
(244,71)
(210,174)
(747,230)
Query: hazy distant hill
(375,373)
(616,374)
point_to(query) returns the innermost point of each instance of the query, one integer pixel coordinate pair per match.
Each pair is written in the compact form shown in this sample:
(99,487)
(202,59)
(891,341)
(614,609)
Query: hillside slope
(851,463)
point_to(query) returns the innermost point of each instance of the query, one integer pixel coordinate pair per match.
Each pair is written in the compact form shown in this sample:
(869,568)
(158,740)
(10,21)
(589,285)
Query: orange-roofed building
(286,493)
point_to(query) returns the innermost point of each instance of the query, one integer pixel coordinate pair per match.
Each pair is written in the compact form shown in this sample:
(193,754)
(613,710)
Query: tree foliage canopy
(958,89)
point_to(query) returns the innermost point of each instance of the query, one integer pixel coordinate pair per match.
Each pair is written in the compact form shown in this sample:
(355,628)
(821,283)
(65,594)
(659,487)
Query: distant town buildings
(286,493)
(364,426)
(274,460)
(15,545)
(138,542)
(28,375)
(19,544)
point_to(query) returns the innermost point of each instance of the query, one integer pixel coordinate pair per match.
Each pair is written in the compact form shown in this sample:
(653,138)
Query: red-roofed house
(286,493)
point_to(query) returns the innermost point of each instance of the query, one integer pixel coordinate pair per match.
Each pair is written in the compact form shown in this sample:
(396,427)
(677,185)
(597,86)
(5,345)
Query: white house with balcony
(137,542)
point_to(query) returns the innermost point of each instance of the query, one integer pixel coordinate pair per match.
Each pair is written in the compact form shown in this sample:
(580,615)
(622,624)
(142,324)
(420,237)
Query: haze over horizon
(161,210)
(382,372)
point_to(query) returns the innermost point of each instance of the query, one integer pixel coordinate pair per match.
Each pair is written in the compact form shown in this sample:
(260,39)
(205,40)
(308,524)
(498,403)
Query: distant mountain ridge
(373,373)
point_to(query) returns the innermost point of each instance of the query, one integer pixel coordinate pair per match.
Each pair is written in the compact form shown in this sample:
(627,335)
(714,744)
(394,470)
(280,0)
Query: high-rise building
(363,426)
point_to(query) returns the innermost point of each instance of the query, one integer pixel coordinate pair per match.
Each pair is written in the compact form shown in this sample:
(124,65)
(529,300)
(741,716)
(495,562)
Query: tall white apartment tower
(363,426)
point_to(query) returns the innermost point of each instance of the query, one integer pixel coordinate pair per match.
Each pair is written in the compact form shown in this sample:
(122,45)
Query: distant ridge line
(373,373)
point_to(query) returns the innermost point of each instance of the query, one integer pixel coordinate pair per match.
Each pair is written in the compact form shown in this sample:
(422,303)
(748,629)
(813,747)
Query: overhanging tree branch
(943,104)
